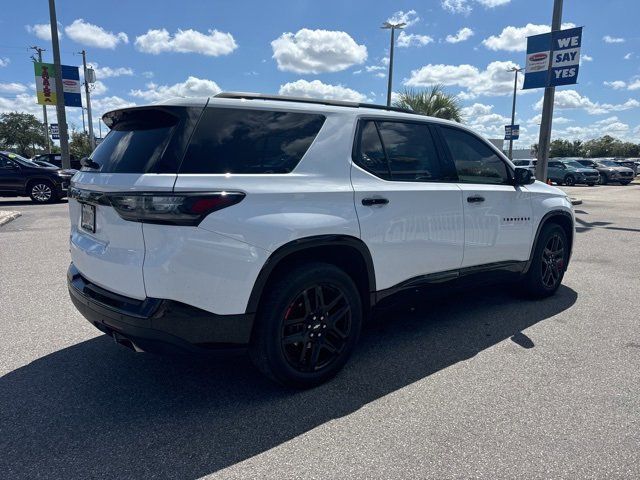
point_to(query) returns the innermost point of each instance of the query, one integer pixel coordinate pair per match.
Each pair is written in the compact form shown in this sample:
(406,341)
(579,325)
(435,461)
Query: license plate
(88,217)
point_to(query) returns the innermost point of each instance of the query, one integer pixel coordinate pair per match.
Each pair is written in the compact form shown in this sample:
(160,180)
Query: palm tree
(433,101)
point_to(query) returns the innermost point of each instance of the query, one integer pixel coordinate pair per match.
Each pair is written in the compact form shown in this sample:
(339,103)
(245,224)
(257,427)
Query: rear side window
(398,151)
(136,142)
(474,160)
(231,140)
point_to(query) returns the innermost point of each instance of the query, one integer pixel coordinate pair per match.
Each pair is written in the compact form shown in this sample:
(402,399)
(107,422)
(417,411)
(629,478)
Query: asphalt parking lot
(477,385)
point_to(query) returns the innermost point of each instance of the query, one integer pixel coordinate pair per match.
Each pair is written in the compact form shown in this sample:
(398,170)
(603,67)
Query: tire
(603,179)
(291,322)
(624,183)
(569,180)
(42,191)
(591,184)
(548,264)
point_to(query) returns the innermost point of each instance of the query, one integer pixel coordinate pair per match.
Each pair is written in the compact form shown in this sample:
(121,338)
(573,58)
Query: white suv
(279,223)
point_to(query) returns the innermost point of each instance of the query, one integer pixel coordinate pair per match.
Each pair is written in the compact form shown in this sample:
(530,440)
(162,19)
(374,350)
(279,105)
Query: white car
(278,224)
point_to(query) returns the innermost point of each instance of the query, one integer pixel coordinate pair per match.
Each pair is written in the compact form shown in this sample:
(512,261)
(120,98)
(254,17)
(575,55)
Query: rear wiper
(88,163)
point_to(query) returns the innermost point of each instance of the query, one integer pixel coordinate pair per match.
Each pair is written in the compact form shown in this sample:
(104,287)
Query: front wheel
(569,180)
(307,325)
(548,263)
(42,192)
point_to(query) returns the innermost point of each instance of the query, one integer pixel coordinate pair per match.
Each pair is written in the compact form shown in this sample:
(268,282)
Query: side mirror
(88,163)
(523,176)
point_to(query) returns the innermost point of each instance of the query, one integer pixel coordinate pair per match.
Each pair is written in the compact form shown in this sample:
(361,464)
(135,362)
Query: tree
(22,133)
(433,101)
(79,145)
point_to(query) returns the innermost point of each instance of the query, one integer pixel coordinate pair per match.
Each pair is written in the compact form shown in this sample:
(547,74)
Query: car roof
(259,100)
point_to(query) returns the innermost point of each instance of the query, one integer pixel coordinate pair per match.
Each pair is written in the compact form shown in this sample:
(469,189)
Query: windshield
(25,162)
(574,164)
(608,163)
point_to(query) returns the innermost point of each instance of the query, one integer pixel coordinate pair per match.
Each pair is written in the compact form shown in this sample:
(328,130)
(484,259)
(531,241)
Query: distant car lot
(479,383)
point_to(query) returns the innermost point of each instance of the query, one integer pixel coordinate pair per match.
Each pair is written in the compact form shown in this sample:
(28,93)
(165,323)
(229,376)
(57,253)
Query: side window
(370,154)
(411,152)
(6,164)
(475,161)
(230,140)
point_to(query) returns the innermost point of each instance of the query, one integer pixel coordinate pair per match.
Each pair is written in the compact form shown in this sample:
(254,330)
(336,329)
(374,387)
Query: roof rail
(318,101)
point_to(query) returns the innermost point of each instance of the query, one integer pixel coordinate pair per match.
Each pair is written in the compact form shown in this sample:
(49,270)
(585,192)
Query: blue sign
(511,132)
(71,86)
(553,58)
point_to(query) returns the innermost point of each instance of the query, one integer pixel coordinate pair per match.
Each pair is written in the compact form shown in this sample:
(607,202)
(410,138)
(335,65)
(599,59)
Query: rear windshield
(231,140)
(136,142)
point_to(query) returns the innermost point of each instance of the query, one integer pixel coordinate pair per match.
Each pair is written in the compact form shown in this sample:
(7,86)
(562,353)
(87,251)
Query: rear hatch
(141,153)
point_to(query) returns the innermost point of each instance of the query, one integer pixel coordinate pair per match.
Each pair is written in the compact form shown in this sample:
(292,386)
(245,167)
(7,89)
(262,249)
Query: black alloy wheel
(315,327)
(569,180)
(552,262)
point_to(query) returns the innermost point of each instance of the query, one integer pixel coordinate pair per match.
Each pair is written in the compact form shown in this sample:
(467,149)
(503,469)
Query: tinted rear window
(136,142)
(231,140)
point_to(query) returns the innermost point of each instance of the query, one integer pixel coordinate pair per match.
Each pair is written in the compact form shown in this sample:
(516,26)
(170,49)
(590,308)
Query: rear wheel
(549,262)
(307,326)
(569,180)
(42,191)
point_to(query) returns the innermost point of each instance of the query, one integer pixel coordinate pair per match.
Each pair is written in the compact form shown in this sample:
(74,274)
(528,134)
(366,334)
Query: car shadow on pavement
(27,202)
(98,410)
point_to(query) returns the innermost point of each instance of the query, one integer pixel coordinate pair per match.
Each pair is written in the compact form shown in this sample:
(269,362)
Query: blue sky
(149,50)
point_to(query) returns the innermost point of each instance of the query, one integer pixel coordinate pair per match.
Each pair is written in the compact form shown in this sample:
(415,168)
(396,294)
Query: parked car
(528,164)
(278,224)
(42,163)
(22,177)
(56,159)
(629,163)
(567,171)
(609,170)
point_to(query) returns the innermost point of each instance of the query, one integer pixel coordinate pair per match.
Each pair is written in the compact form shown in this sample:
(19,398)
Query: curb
(6,217)
(575,201)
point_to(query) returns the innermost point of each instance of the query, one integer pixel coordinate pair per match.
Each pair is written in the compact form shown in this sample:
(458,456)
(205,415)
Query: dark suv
(21,177)
(609,170)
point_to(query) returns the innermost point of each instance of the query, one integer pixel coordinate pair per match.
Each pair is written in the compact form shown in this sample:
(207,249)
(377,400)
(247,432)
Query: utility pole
(513,109)
(92,137)
(547,107)
(392,27)
(44,107)
(62,116)
(84,127)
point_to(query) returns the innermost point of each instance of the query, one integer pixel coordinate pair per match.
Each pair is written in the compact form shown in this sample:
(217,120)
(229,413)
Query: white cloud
(571,99)
(514,39)
(43,30)
(465,6)
(147,74)
(213,44)
(413,40)
(102,105)
(462,35)
(317,51)
(610,39)
(495,80)
(95,36)
(98,88)
(410,18)
(317,89)
(191,87)
(108,72)
(628,56)
(586,58)
(12,87)
(374,68)
(633,84)
(4,61)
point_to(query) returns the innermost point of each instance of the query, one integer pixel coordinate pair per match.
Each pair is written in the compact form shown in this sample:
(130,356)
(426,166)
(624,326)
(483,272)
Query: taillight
(171,208)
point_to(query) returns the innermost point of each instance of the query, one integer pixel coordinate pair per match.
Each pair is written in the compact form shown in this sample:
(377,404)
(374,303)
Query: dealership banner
(553,58)
(46,84)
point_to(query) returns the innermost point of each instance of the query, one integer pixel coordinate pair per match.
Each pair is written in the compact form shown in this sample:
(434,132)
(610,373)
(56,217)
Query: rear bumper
(158,325)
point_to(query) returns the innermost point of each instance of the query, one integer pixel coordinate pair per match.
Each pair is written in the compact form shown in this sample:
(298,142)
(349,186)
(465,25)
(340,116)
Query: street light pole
(392,27)
(547,108)
(92,137)
(62,116)
(44,107)
(513,108)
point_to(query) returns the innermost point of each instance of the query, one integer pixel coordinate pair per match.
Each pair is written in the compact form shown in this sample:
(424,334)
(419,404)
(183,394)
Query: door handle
(368,202)
(475,199)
